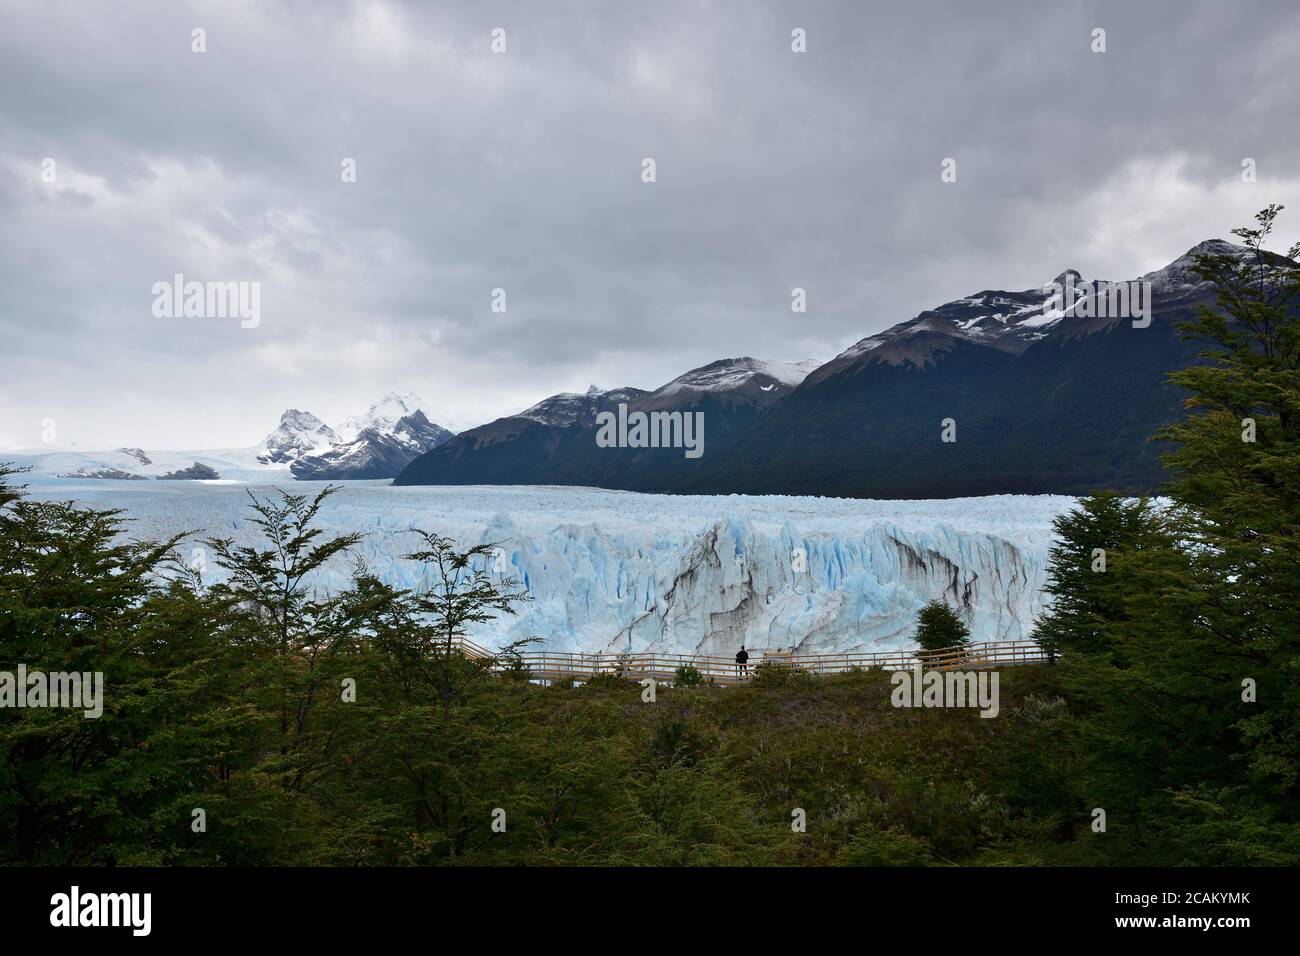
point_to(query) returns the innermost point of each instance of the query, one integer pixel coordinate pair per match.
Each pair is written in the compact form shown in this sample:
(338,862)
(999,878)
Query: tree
(1237,482)
(939,628)
(1183,655)
(119,788)
(289,629)
(1085,576)
(422,651)
(460,595)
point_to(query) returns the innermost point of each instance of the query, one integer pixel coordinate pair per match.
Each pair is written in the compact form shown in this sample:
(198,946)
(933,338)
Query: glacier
(614,571)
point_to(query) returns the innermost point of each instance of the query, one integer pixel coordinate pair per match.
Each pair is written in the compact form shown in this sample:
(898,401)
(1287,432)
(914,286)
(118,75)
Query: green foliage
(939,628)
(775,673)
(514,667)
(609,681)
(870,846)
(688,676)
(1199,597)
(1087,569)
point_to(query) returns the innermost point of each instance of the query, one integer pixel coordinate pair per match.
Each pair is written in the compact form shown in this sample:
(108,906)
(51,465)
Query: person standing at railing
(742,662)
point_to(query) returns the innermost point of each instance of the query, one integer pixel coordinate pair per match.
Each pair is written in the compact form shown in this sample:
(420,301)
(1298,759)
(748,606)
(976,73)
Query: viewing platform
(550,665)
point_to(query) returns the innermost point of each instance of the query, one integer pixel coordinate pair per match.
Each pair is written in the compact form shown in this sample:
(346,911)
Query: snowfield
(615,571)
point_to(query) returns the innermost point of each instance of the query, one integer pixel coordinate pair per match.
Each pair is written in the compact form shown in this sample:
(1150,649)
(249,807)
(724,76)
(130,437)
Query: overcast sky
(523,171)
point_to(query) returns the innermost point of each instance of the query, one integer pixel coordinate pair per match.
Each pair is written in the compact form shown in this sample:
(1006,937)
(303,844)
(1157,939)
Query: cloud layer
(522,171)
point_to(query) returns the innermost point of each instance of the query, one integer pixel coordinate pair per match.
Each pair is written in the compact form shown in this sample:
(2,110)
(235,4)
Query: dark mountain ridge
(1044,395)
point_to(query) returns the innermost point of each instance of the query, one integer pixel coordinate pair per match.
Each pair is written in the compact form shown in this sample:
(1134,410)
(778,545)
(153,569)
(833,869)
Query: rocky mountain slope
(1048,390)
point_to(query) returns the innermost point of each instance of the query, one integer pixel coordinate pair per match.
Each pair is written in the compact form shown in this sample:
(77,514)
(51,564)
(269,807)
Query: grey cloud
(521,171)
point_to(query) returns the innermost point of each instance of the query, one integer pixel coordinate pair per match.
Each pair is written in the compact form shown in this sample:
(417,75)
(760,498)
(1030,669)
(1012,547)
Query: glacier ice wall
(615,571)
(807,586)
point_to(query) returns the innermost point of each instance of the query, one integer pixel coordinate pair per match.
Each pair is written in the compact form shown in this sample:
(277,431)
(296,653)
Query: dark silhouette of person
(742,662)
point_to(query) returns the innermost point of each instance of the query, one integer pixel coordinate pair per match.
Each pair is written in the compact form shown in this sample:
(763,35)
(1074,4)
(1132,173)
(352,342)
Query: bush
(870,846)
(773,674)
(608,680)
(688,676)
(514,667)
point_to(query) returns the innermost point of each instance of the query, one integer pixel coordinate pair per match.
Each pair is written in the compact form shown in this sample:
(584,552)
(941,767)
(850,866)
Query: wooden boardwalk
(549,665)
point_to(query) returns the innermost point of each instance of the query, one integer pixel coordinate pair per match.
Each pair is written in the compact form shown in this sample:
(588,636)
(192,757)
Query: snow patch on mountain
(384,445)
(571,408)
(378,451)
(298,433)
(1178,278)
(728,374)
(1015,320)
(382,415)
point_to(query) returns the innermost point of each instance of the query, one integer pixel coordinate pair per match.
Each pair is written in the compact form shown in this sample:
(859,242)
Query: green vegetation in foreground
(1175,705)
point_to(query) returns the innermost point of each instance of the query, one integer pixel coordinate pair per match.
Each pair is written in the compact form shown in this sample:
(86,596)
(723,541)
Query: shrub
(870,846)
(688,676)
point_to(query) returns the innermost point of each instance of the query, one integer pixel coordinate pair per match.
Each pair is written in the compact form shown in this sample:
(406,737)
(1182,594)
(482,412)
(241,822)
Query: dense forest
(256,721)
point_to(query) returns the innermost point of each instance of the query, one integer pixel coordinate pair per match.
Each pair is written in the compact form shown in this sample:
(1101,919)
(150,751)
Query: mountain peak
(380,450)
(298,433)
(1069,276)
(294,416)
(383,414)
(397,398)
(1213,247)
(730,373)
(1180,276)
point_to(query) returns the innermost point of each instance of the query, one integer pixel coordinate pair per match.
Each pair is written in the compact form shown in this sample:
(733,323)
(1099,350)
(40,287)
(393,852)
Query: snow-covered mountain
(1014,321)
(383,416)
(385,442)
(1051,389)
(195,472)
(552,440)
(1006,321)
(1179,279)
(727,374)
(299,433)
(572,408)
(736,380)
(379,450)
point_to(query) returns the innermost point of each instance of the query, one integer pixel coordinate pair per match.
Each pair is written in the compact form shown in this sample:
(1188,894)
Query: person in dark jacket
(742,662)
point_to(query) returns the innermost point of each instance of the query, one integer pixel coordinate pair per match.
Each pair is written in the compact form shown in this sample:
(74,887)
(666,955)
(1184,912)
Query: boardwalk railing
(551,665)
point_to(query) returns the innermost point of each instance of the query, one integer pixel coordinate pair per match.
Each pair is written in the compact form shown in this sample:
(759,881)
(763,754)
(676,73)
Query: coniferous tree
(1087,596)
(939,628)
(1237,480)
(1183,655)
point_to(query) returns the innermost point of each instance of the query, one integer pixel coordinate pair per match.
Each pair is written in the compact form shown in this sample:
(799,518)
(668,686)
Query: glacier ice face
(620,571)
